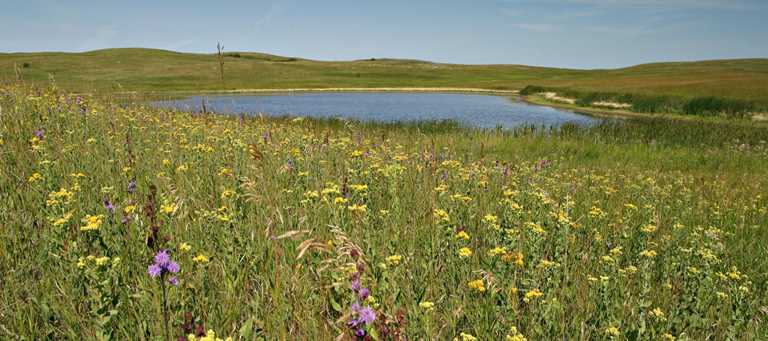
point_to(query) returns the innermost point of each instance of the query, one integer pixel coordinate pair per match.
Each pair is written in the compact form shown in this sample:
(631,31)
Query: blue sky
(564,33)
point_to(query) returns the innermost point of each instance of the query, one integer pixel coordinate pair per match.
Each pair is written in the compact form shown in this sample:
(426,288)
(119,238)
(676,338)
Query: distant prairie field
(163,71)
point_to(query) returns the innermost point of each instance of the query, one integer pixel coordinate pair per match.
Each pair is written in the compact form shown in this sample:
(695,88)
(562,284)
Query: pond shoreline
(515,94)
(473,109)
(289,90)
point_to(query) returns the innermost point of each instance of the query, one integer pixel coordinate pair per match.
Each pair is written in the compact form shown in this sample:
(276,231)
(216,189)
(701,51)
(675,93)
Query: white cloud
(536,27)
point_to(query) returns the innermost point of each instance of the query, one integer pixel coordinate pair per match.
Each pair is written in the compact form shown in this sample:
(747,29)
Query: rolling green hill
(135,69)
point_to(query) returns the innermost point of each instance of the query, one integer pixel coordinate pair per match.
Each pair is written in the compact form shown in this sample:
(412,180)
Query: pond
(472,110)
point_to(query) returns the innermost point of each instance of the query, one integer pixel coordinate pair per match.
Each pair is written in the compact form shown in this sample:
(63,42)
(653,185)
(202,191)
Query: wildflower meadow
(123,222)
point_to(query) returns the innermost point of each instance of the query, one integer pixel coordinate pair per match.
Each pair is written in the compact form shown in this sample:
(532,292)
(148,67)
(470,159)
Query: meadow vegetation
(659,104)
(121,221)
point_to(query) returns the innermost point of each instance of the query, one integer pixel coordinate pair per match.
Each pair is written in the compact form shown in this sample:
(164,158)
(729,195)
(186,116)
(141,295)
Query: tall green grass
(700,106)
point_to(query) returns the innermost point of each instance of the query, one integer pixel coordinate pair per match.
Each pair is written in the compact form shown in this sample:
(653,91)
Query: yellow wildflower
(101,261)
(202,259)
(92,222)
(465,337)
(532,294)
(394,259)
(465,252)
(462,235)
(358,208)
(612,331)
(35,177)
(426,305)
(63,220)
(209,336)
(168,208)
(657,313)
(477,285)
(229,193)
(441,215)
(648,253)
(497,251)
(515,335)
(514,257)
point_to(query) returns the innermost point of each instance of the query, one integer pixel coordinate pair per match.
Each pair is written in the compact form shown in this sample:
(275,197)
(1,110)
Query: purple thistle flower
(356,285)
(173,281)
(39,134)
(363,293)
(162,257)
(132,186)
(108,205)
(172,267)
(162,265)
(367,315)
(155,270)
(362,316)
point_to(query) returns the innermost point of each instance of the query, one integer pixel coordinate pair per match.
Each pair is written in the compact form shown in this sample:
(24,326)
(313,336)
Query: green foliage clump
(700,106)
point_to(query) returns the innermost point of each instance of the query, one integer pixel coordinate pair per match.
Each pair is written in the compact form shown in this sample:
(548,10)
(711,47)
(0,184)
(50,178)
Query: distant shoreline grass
(288,90)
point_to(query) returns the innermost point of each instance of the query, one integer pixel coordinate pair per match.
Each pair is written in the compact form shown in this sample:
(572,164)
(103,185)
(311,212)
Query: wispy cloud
(275,9)
(100,38)
(179,45)
(536,27)
(669,4)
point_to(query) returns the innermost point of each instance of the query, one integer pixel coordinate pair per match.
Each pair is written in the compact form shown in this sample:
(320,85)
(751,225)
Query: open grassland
(159,70)
(126,222)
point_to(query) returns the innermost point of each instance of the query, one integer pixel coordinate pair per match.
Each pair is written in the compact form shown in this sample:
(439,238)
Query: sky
(557,33)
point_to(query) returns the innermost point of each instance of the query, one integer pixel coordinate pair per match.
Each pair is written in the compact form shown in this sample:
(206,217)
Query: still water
(472,110)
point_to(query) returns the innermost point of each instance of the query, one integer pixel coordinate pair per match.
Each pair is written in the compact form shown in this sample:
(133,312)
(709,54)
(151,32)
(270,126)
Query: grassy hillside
(159,70)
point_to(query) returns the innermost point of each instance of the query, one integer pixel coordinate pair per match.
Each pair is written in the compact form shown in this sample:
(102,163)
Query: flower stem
(165,309)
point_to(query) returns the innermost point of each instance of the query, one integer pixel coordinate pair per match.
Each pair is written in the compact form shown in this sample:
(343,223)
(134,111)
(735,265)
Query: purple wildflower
(162,257)
(163,264)
(366,315)
(108,205)
(132,186)
(173,281)
(362,316)
(155,270)
(39,134)
(363,293)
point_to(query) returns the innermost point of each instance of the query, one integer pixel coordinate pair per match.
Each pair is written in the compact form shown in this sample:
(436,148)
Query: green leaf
(335,305)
